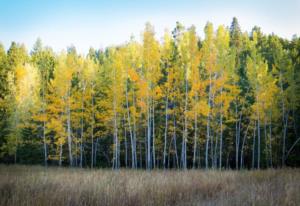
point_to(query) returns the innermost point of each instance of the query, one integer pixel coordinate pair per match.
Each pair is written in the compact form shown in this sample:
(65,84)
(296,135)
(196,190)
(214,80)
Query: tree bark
(266,143)
(153,133)
(258,139)
(60,155)
(175,143)
(184,138)
(125,142)
(148,134)
(208,124)
(270,144)
(81,130)
(242,148)
(236,137)
(69,129)
(133,150)
(92,133)
(253,147)
(134,133)
(195,138)
(221,135)
(166,130)
(96,150)
(116,141)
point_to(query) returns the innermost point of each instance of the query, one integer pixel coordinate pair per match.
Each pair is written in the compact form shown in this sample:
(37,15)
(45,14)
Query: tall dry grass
(32,185)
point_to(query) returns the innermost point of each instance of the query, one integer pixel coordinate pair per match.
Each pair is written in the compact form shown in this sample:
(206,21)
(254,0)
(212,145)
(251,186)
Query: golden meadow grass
(34,185)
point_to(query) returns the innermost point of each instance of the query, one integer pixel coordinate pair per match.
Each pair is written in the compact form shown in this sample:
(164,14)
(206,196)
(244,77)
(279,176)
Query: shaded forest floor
(33,185)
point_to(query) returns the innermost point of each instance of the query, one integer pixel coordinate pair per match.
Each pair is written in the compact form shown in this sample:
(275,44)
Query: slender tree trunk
(60,154)
(242,148)
(166,130)
(285,123)
(208,123)
(169,155)
(125,142)
(199,156)
(212,136)
(69,129)
(221,135)
(92,132)
(195,139)
(207,143)
(239,133)
(270,143)
(266,143)
(212,149)
(216,151)
(141,156)
(16,122)
(184,138)
(133,149)
(148,134)
(81,131)
(116,143)
(236,137)
(116,140)
(60,148)
(175,143)
(145,148)
(258,139)
(253,148)
(96,150)
(76,157)
(118,153)
(134,133)
(153,134)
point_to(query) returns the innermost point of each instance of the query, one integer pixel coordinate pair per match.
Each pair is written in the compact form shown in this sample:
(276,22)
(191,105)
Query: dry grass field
(34,185)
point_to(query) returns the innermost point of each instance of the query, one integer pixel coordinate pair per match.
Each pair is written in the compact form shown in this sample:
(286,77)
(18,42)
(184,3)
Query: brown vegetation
(33,185)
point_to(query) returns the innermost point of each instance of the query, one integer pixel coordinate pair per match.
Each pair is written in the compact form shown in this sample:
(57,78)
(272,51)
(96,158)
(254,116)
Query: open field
(33,185)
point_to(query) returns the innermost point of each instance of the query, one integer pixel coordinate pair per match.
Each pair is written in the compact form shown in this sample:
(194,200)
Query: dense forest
(229,100)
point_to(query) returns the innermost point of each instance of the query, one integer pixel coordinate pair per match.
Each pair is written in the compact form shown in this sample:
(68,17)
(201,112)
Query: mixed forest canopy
(229,100)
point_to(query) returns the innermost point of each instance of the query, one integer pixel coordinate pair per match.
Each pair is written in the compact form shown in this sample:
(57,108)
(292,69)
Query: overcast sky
(86,23)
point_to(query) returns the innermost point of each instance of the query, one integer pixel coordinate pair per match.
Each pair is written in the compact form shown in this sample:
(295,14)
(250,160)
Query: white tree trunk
(208,124)
(253,147)
(242,148)
(166,131)
(148,134)
(153,134)
(81,132)
(92,132)
(270,143)
(221,136)
(195,139)
(69,129)
(133,153)
(258,138)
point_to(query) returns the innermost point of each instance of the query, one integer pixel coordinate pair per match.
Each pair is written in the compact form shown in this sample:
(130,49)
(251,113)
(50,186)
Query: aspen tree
(209,61)
(152,73)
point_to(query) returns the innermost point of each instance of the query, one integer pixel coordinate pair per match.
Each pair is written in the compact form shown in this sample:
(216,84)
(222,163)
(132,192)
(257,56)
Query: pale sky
(86,23)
